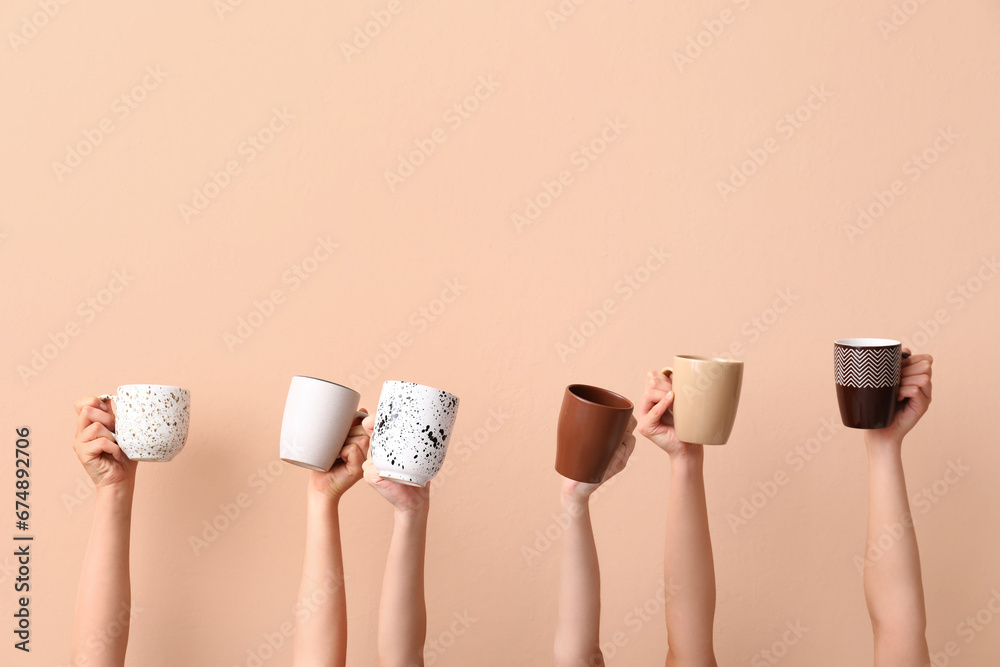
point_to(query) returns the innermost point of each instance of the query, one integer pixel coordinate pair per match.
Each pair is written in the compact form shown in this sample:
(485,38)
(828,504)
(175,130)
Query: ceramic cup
(592,423)
(151,420)
(318,416)
(706,397)
(867,373)
(413,424)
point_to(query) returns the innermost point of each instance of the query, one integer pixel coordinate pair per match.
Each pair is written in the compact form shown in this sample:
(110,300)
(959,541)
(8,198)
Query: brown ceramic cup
(592,423)
(867,373)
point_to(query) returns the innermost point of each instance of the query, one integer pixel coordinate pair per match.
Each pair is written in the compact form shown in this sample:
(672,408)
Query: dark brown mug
(867,372)
(592,423)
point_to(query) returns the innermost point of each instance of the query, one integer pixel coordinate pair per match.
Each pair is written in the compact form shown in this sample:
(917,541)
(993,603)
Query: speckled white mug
(151,420)
(413,425)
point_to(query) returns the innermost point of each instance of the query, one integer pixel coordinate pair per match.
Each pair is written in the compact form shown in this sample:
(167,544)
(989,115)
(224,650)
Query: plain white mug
(151,420)
(318,416)
(413,424)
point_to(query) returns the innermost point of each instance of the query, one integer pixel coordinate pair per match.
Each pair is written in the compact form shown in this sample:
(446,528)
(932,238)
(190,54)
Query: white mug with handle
(318,416)
(151,420)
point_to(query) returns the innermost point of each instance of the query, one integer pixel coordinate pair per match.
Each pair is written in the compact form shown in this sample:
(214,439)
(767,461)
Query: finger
(921,381)
(97,430)
(648,399)
(83,418)
(913,392)
(369,424)
(92,449)
(96,415)
(632,423)
(370,472)
(658,380)
(922,366)
(657,411)
(354,459)
(91,401)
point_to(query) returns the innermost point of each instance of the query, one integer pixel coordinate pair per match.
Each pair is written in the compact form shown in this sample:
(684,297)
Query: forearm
(321,611)
(402,618)
(577,640)
(103,603)
(892,579)
(688,566)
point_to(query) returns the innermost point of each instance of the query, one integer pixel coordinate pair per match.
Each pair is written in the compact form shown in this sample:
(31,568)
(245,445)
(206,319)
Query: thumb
(660,408)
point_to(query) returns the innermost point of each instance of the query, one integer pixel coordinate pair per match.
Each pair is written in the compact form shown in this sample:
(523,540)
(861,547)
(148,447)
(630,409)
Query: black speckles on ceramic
(413,425)
(151,420)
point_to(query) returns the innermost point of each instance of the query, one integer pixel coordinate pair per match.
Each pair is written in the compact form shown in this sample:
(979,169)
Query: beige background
(772,267)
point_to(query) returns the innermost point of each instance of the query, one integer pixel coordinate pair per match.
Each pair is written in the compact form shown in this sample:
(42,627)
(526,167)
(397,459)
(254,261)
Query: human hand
(347,469)
(915,395)
(574,490)
(656,421)
(405,499)
(97,448)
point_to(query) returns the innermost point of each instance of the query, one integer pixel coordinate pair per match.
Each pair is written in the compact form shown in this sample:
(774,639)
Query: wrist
(413,515)
(322,499)
(878,442)
(690,457)
(117,497)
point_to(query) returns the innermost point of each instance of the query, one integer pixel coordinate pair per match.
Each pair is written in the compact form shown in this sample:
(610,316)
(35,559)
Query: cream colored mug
(706,396)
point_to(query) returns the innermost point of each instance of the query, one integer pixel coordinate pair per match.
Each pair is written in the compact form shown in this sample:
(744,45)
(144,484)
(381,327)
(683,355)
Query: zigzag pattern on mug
(869,367)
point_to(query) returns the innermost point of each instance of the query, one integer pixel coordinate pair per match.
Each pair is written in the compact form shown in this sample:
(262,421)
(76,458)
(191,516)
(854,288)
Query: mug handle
(668,371)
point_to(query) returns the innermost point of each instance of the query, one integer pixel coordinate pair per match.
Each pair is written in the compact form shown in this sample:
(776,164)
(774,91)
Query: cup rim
(335,384)
(867,342)
(577,396)
(698,357)
(422,386)
(161,386)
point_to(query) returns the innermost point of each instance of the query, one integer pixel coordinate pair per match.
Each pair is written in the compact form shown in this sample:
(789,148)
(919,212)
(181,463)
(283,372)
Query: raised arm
(103,601)
(893,588)
(402,612)
(321,611)
(688,566)
(577,640)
